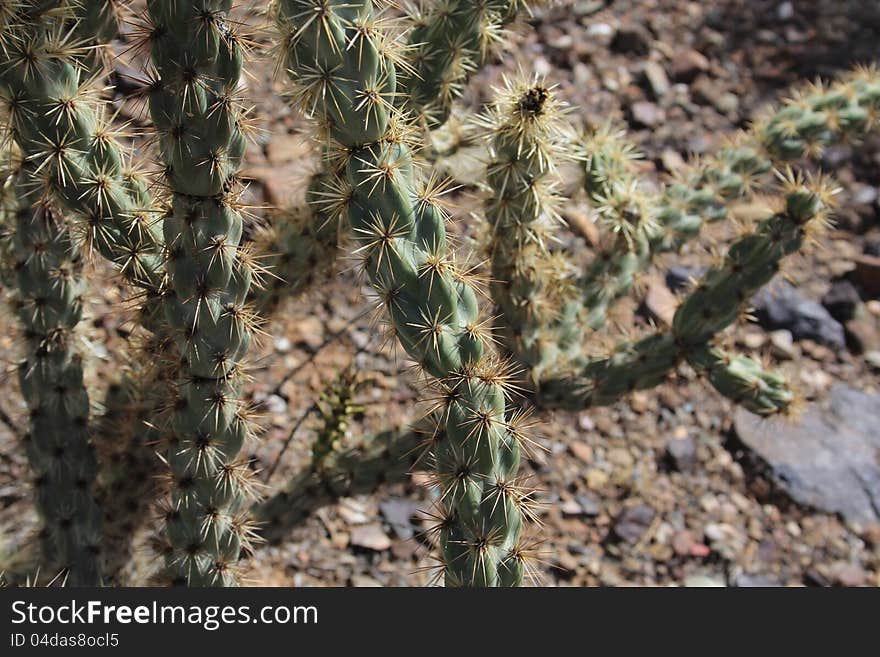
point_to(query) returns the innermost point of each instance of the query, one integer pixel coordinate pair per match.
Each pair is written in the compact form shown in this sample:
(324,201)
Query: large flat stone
(828,458)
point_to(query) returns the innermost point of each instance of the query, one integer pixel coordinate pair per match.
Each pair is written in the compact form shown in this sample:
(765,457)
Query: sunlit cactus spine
(68,147)
(345,66)
(197,57)
(626,214)
(47,300)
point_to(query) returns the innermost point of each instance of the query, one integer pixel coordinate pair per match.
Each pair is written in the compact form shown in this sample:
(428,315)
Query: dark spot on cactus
(533,101)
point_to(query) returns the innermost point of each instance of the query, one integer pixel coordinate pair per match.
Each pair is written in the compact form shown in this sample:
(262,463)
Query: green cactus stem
(68,148)
(340,57)
(625,212)
(197,56)
(815,117)
(716,302)
(48,304)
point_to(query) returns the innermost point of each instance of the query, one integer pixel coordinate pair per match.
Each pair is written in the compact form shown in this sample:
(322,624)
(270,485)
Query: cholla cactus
(449,41)
(339,467)
(194,104)
(814,118)
(547,321)
(48,304)
(535,291)
(68,148)
(345,66)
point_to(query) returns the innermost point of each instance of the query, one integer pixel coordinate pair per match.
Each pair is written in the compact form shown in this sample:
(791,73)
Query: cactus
(48,304)
(68,148)
(339,467)
(197,57)
(544,312)
(713,305)
(533,289)
(449,40)
(625,211)
(813,119)
(345,66)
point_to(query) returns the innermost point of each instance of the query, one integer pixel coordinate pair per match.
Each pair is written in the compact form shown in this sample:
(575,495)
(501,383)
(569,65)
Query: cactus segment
(67,146)
(48,303)
(816,117)
(197,56)
(449,41)
(346,70)
(715,303)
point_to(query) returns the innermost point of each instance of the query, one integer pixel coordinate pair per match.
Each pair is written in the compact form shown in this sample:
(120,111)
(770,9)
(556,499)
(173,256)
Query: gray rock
(782,306)
(590,506)
(398,512)
(826,459)
(679,277)
(841,300)
(682,453)
(633,522)
(634,39)
(754,580)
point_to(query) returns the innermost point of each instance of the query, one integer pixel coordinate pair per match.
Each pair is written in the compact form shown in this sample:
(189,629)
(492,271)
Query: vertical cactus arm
(48,303)
(626,215)
(68,148)
(815,117)
(197,56)
(533,288)
(449,41)
(398,226)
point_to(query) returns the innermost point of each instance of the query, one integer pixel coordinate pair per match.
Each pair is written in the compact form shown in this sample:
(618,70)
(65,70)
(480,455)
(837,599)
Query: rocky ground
(672,486)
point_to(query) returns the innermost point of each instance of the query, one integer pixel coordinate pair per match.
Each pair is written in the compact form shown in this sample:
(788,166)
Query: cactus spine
(345,66)
(197,57)
(67,146)
(48,304)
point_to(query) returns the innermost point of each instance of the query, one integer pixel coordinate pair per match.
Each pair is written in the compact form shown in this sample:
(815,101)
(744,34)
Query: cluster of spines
(626,214)
(345,66)
(48,303)
(70,153)
(197,55)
